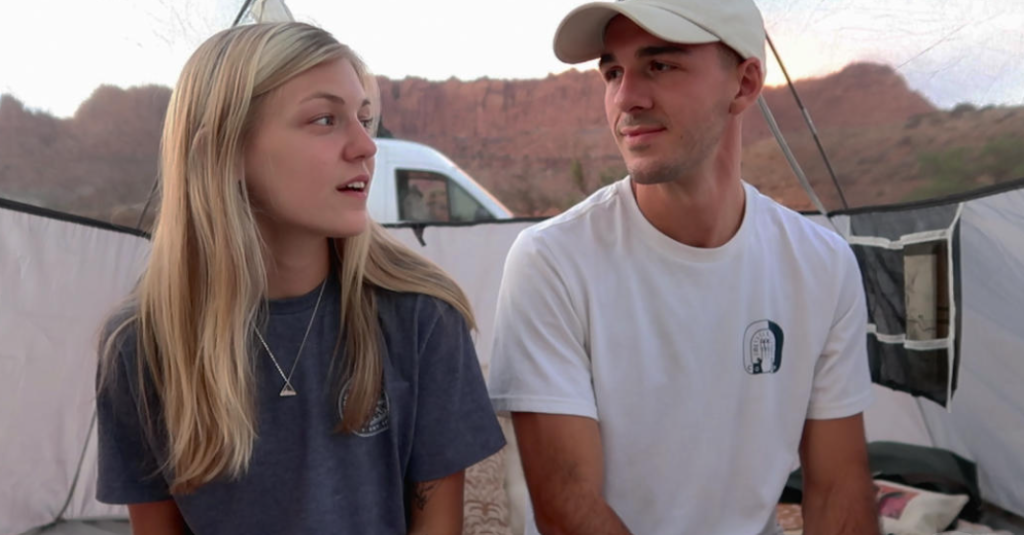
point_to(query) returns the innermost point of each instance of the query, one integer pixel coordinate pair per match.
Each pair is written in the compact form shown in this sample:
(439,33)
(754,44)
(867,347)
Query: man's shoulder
(806,234)
(575,227)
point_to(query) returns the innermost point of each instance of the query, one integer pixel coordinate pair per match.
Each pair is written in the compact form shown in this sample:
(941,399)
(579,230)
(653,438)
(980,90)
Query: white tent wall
(474,256)
(986,421)
(57,279)
(897,417)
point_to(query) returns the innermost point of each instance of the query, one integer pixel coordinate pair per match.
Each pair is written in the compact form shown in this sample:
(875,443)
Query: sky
(55,53)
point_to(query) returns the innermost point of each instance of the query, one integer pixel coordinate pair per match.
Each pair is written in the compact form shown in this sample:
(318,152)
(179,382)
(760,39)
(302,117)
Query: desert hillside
(531,140)
(543,144)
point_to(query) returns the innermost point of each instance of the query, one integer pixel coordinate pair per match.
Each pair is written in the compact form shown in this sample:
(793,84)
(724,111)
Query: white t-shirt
(700,365)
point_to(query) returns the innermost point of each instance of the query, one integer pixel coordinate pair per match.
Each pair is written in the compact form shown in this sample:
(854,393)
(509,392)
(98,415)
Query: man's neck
(296,264)
(704,210)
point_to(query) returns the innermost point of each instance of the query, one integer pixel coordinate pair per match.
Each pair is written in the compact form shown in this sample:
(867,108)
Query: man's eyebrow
(648,51)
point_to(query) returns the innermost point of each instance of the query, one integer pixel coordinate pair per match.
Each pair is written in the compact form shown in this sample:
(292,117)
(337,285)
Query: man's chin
(646,171)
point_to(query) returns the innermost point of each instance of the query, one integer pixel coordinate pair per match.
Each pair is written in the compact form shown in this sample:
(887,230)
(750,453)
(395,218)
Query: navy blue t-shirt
(433,419)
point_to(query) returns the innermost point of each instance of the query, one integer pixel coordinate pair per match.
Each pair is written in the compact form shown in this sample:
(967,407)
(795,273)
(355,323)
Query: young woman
(284,366)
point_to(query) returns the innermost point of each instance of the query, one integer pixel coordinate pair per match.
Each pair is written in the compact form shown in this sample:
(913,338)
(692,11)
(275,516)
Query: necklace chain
(288,389)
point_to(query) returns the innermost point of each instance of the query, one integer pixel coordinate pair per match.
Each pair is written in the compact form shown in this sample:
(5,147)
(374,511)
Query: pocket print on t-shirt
(379,421)
(762,347)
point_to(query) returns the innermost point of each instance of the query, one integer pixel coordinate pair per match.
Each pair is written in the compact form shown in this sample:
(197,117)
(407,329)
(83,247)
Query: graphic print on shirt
(379,421)
(762,347)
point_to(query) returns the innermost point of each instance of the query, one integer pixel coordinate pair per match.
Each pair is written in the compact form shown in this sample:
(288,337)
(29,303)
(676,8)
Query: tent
(59,274)
(943,279)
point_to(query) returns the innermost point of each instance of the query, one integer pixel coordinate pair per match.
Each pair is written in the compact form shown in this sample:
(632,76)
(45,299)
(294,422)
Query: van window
(433,197)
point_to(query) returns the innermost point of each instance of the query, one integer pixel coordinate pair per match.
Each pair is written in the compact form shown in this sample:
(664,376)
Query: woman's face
(309,160)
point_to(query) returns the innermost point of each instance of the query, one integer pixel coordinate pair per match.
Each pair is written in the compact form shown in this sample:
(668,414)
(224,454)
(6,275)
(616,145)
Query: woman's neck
(295,264)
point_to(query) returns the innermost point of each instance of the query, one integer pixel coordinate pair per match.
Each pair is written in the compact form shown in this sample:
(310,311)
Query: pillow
(910,511)
(904,511)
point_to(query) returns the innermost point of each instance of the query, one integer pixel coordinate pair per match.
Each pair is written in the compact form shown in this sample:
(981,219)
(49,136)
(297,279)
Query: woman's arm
(437,506)
(156,518)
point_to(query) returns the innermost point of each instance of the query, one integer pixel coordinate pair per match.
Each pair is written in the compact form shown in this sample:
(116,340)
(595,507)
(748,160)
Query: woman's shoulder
(118,345)
(419,313)
(119,332)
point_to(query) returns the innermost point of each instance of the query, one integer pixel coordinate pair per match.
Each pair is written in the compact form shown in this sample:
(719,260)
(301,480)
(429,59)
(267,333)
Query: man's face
(667,104)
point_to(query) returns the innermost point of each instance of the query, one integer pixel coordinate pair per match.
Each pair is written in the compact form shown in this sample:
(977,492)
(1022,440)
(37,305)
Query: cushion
(911,511)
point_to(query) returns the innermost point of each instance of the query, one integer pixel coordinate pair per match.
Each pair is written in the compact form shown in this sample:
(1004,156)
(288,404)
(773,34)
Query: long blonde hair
(198,301)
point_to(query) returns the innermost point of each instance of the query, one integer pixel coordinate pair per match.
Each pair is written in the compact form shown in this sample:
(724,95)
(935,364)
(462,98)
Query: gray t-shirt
(434,419)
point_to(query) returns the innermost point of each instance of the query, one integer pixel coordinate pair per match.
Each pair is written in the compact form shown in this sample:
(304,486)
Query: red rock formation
(541,145)
(521,137)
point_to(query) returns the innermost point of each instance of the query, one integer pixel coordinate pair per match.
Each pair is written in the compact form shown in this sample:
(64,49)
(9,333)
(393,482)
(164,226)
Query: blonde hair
(201,295)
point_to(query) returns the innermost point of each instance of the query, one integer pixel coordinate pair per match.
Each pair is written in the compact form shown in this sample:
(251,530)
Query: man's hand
(839,496)
(563,462)
(437,506)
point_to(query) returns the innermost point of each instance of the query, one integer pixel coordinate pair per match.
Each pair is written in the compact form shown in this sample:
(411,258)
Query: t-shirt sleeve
(539,362)
(842,377)
(455,427)
(127,468)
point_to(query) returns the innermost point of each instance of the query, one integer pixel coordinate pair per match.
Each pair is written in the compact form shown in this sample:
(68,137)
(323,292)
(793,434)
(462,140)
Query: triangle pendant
(288,390)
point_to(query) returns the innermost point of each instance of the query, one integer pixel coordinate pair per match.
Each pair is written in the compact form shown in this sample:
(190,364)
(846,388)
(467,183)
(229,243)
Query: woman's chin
(350,226)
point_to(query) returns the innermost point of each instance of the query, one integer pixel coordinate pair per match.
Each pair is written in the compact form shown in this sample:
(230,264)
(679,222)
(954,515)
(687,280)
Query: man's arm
(156,518)
(839,496)
(563,462)
(436,507)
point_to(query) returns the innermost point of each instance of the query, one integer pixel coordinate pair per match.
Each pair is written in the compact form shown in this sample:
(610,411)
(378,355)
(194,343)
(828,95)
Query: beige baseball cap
(736,23)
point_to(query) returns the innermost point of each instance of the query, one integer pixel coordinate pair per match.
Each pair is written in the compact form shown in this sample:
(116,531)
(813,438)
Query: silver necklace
(288,389)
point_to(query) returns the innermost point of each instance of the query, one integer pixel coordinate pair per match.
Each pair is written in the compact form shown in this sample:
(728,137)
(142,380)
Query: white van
(413,182)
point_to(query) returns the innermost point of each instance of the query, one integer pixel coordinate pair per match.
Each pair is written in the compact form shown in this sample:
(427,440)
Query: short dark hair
(730,58)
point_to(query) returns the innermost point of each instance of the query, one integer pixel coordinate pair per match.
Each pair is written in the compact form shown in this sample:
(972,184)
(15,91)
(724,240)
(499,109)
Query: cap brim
(580,36)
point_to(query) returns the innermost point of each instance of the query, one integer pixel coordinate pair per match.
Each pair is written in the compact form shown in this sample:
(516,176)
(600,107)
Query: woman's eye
(326,120)
(367,123)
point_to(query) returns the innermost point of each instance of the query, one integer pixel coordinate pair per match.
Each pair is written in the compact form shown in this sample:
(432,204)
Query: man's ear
(750,75)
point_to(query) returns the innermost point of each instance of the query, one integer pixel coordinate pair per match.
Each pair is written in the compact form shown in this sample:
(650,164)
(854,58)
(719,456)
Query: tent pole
(810,124)
(795,165)
(149,200)
(242,12)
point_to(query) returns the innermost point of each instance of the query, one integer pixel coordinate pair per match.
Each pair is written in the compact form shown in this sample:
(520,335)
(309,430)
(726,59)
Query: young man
(671,347)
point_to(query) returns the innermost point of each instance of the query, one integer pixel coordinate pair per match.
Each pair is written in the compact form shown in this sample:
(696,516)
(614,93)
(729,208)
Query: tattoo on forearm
(421,493)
